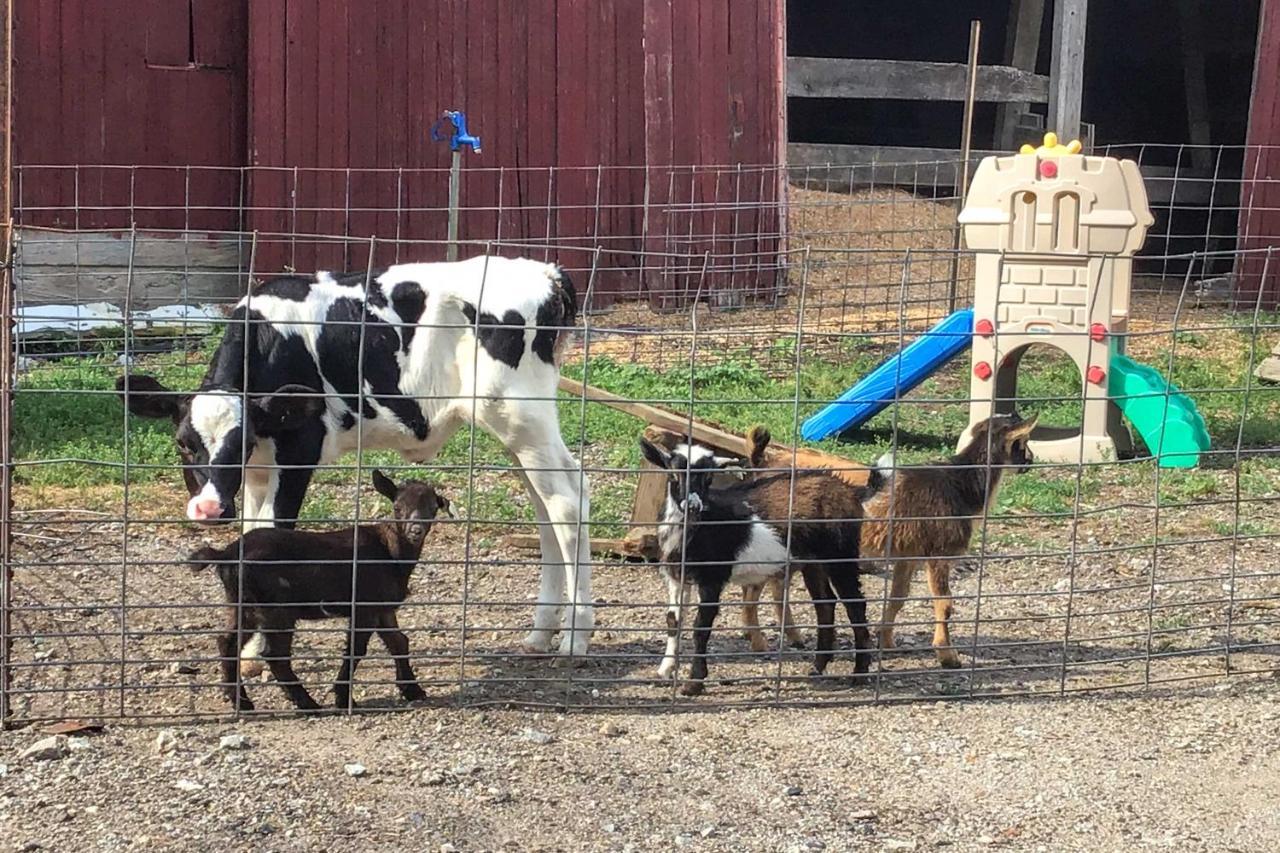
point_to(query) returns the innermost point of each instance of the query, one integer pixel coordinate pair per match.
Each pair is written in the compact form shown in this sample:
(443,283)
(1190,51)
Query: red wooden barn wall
(1260,192)
(129,82)
(588,109)
(554,88)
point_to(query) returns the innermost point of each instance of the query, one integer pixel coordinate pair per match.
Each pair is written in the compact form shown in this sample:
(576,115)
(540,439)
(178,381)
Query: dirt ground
(1128,700)
(1182,769)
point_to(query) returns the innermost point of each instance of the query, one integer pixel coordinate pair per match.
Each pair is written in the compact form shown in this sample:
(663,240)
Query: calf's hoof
(692,688)
(759,644)
(537,642)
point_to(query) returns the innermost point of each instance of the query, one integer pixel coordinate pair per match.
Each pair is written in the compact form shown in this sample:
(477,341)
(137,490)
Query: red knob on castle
(985,328)
(1096,374)
(1048,169)
(1098,332)
(982,370)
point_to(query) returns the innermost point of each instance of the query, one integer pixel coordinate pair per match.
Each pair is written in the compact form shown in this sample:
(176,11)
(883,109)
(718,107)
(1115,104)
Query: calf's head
(214,438)
(415,505)
(692,471)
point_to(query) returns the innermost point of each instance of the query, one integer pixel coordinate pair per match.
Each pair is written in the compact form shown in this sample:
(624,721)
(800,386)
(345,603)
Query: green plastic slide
(1166,419)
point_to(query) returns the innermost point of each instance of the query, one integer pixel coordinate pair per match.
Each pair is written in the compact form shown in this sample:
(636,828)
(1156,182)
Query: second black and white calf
(327,364)
(710,537)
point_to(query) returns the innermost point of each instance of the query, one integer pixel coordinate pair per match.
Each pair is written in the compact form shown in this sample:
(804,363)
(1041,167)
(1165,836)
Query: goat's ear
(285,409)
(443,506)
(147,398)
(1023,429)
(654,453)
(382,483)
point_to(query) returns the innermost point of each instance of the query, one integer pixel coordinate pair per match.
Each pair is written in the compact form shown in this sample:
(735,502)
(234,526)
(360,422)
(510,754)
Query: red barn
(328,103)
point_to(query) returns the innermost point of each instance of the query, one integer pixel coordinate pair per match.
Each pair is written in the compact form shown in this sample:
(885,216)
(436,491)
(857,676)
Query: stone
(78,744)
(612,730)
(433,778)
(354,770)
(899,844)
(46,749)
(537,736)
(166,741)
(188,786)
(1269,369)
(234,742)
(182,669)
(793,791)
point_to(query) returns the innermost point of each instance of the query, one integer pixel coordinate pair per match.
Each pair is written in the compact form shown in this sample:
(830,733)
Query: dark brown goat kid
(924,515)
(292,575)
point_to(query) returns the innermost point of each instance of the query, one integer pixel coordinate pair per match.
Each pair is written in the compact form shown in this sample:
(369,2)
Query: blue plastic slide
(917,362)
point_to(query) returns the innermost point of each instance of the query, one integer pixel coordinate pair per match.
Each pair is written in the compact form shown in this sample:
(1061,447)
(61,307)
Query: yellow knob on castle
(1052,147)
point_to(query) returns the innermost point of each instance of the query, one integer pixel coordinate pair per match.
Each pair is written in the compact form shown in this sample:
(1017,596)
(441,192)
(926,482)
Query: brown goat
(924,515)
(757,440)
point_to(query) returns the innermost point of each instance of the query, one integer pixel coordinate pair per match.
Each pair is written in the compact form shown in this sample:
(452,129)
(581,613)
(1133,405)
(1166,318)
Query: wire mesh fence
(1095,576)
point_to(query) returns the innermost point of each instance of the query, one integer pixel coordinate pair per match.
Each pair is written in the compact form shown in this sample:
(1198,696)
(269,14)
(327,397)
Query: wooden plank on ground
(671,427)
(612,547)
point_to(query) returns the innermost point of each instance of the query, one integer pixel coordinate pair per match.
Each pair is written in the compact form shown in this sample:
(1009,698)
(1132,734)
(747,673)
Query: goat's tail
(881,475)
(206,556)
(758,439)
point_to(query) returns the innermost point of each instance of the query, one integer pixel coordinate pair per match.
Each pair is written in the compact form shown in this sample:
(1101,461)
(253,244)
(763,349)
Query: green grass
(69,425)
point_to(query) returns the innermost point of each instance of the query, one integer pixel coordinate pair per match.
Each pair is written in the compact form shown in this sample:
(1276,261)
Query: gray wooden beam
(1193,65)
(1022,51)
(1066,86)
(923,169)
(813,77)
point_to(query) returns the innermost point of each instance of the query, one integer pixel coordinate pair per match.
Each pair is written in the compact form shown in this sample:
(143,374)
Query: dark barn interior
(1135,68)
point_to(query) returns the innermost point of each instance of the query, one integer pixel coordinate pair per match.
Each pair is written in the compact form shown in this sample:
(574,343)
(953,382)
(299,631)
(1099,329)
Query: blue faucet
(459,137)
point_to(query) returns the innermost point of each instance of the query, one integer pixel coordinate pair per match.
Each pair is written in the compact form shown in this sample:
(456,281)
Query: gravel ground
(1183,770)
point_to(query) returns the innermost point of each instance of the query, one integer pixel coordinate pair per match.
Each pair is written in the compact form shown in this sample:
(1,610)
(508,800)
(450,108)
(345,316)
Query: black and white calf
(444,344)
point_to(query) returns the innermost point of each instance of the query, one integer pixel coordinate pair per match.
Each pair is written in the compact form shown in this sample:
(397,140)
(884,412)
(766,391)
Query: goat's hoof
(759,646)
(951,661)
(692,688)
(244,706)
(413,693)
(666,670)
(796,643)
(251,668)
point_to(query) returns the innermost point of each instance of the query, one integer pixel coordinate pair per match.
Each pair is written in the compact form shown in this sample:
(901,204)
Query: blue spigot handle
(460,136)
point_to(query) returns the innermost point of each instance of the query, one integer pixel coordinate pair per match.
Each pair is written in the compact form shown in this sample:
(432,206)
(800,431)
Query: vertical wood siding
(130,82)
(593,114)
(579,121)
(1260,192)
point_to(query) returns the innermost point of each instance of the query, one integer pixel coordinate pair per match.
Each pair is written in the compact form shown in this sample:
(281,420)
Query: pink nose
(203,509)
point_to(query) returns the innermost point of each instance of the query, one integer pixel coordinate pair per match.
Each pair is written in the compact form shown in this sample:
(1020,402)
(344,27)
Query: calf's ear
(286,409)
(145,397)
(654,453)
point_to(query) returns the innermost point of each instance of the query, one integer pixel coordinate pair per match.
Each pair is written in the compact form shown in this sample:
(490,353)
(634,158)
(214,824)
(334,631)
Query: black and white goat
(444,344)
(710,537)
(292,575)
